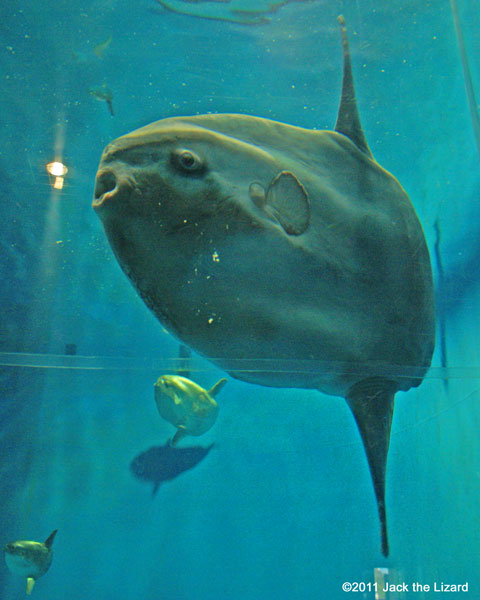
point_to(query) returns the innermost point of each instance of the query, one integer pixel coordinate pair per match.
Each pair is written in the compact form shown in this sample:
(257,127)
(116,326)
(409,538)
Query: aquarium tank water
(240,265)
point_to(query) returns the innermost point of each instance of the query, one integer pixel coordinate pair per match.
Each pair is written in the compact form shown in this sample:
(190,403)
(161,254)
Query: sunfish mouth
(109,185)
(105,185)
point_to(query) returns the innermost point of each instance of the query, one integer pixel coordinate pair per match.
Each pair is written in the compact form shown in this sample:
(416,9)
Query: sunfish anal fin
(179,435)
(30,584)
(348,120)
(371,402)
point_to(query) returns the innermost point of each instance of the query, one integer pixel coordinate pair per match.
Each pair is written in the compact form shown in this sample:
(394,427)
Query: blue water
(282,506)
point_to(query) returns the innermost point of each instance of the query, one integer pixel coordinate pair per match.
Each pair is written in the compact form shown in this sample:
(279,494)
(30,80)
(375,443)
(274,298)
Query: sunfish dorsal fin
(371,402)
(49,541)
(217,387)
(30,584)
(348,120)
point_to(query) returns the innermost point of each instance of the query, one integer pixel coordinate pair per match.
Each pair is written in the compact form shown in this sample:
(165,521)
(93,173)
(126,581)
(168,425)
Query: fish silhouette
(164,463)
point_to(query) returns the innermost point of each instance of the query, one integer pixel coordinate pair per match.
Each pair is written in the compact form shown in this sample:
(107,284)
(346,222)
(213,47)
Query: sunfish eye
(187,161)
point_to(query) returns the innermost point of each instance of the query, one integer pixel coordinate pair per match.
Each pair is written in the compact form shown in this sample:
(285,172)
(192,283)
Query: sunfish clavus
(288,257)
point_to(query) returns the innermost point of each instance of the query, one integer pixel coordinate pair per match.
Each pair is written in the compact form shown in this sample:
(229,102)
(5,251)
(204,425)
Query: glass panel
(286,260)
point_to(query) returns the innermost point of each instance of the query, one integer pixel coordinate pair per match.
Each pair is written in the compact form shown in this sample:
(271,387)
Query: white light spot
(57,169)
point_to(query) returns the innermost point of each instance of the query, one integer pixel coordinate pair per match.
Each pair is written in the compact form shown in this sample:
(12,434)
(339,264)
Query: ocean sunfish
(288,257)
(29,559)
(183,403)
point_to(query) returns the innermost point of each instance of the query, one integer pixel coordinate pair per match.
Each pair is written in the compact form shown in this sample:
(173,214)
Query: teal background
(282,507)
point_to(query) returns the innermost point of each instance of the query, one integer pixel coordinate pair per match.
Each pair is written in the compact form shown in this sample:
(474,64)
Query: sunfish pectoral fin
(217,387)
(287,202)
(348,120)
(371,402)
(179,435)
(30,584)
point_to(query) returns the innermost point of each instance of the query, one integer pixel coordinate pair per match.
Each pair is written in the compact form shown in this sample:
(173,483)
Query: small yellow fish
(29,559)
(186,405)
